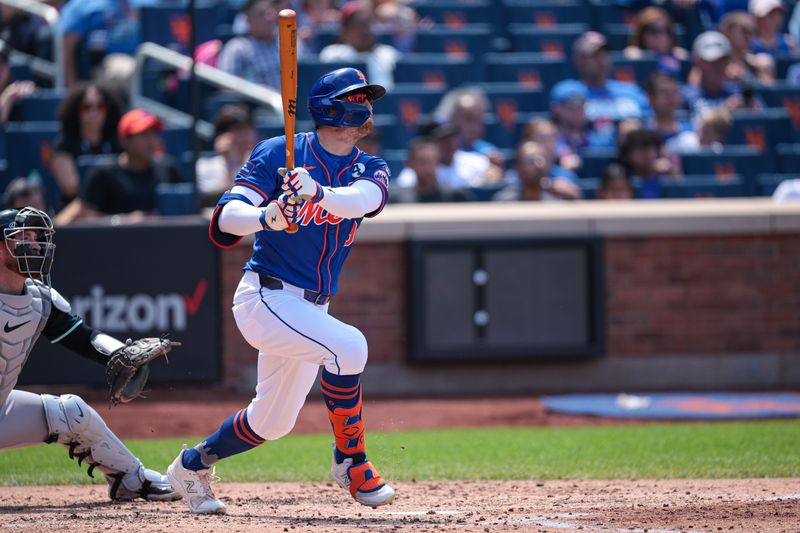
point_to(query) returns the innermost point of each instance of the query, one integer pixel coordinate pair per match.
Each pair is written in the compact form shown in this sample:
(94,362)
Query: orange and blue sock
(342,396)
(234,436)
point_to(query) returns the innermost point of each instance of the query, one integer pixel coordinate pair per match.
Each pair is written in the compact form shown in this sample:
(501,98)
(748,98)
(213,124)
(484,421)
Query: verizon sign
(137,281)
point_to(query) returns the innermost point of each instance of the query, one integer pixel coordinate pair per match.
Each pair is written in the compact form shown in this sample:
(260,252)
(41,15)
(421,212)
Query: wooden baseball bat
(287,40)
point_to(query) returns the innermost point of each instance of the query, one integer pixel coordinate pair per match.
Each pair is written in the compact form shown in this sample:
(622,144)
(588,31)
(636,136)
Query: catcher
(29,308)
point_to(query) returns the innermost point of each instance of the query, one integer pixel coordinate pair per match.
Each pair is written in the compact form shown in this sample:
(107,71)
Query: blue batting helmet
(326,107)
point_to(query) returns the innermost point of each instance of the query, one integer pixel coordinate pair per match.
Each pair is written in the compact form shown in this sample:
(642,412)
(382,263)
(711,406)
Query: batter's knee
(352,355)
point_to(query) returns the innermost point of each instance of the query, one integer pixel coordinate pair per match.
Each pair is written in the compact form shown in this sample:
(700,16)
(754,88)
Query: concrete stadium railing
(213,76)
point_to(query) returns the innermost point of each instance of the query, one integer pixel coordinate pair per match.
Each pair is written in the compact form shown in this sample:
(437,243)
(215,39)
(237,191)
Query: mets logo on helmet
(361,75)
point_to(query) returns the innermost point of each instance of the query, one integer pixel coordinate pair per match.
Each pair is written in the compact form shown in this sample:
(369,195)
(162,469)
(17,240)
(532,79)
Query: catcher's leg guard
(79,428)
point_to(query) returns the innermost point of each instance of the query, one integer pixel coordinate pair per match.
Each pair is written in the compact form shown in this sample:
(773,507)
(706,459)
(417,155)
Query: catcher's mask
(28,235)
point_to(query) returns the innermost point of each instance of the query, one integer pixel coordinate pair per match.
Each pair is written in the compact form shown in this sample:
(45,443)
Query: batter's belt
(274,284)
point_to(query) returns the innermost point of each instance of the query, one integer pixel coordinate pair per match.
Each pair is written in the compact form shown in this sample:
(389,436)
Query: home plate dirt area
(740,505)
(754,505)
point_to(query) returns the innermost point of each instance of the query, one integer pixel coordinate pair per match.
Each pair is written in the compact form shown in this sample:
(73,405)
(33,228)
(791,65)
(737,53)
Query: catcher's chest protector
(22,318)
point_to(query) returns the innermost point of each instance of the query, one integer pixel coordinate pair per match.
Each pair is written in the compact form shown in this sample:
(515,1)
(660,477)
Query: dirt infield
(665,506)
(764,506)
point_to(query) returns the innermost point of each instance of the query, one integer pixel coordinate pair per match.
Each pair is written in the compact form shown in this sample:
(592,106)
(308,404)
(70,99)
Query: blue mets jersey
(313,257)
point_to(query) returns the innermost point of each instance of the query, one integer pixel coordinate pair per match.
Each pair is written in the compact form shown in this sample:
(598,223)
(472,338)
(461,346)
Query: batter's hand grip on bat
(287,40)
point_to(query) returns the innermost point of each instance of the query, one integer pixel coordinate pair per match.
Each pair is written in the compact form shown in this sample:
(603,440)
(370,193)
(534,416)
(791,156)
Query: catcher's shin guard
(79,428)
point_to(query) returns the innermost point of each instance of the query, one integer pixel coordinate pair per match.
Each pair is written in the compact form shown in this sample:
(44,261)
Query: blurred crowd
(687,104)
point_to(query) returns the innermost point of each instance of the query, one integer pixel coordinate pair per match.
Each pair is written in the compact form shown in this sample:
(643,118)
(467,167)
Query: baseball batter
(30,308)
(281,303)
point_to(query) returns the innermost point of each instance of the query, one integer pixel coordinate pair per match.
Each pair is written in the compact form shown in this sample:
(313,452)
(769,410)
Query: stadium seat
(633,70)
(178,145)
(762,128)
(595,161)
(692,186)
(605,13)
(31,144)
(505,130)
(510,98)
(438,71)
(555,41)
(745,161)
(618,35)
(767,183)
(86,163)
(589,188)
(396,160)
(485,193)
(788,157)
(169,24)
(546,14)
(409,102)
(42,105)
(175,199)
(455,14)
(473,39)
(783,95)
(530,70)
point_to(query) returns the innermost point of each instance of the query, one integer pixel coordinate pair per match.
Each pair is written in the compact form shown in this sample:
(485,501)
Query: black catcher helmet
(28,235)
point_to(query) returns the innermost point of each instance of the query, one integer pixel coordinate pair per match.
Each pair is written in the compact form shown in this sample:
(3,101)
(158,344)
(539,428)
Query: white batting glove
(280,213)
(299,183)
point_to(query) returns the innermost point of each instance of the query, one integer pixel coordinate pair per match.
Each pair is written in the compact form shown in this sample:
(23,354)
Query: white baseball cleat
(363,481)
(195,487)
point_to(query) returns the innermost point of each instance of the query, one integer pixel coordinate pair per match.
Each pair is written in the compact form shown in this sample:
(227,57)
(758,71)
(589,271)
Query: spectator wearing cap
(423,160)
(92,29)
(255,56)
(457,169)
(128,186)
(358,43)
(608,101)
(567,101)
(711,53)
(653,33)
(534,181)
(769,38)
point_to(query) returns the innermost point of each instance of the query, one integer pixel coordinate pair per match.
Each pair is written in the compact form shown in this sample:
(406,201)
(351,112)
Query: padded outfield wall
(699,294)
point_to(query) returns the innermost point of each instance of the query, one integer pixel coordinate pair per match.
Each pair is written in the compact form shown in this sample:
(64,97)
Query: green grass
(695,450)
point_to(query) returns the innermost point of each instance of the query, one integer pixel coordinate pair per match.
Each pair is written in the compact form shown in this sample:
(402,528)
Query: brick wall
(665,295)
(709,295)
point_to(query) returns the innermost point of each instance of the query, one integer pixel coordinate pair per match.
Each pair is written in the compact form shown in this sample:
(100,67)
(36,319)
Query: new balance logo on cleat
(195,487)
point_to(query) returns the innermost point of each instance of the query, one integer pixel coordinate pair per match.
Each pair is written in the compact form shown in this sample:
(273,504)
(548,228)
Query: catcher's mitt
(127,370)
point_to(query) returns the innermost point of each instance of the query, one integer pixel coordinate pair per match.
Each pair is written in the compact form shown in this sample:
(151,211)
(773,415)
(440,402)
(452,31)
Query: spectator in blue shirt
(608,101)
(712,55)
(639,152)
(92,29)
(770,38)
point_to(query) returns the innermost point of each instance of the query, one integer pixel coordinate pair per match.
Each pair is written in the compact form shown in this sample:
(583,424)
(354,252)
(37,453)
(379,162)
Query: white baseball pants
(293,337)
